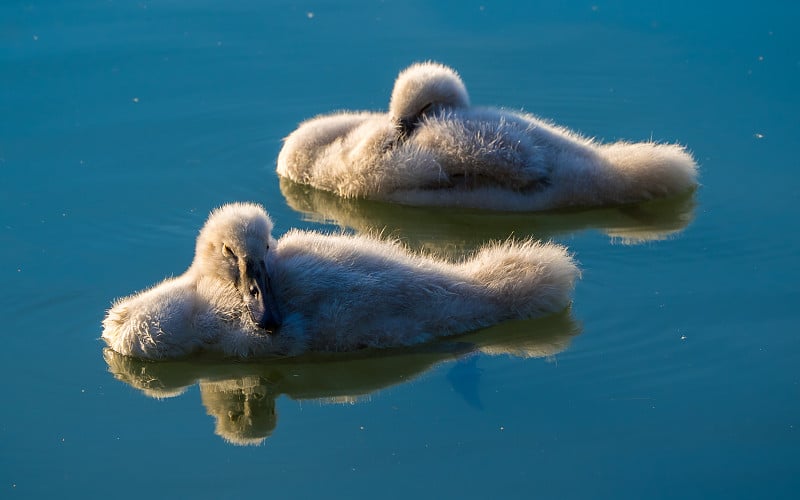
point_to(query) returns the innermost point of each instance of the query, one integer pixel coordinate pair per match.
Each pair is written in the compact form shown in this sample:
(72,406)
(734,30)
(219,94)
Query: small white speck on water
(760,58)
(361,427)
(35,38)
(310,15)
(135,99)
(758,135)
(502,428)
(683,337)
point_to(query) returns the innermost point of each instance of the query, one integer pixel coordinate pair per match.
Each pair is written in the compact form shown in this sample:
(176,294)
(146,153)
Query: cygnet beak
(406,126)
(259,297)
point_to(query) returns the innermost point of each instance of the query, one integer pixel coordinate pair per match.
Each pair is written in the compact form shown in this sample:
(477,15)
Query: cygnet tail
(525,278)
(641,171)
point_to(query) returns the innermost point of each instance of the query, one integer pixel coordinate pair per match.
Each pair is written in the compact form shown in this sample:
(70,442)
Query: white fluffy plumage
(433,148)
(331,293)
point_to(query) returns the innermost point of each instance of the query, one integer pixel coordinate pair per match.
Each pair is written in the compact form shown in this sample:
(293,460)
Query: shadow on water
(241,395)
(449,230)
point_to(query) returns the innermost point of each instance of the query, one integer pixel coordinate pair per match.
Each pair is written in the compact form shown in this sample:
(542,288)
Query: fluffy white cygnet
(223,302)
(432,148)
(247,295)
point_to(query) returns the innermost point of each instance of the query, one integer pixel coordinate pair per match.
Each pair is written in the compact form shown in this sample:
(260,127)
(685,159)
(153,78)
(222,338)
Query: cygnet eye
(227,252)
(254,291)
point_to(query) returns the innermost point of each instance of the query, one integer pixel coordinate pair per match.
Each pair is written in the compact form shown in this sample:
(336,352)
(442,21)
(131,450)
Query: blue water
(674,375)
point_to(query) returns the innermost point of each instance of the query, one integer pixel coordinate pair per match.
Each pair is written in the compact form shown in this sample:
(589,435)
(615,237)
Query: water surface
(674,374)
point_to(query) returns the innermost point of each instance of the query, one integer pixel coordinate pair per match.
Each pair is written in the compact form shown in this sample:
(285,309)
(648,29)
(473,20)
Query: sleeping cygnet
(246,295)
(433,148)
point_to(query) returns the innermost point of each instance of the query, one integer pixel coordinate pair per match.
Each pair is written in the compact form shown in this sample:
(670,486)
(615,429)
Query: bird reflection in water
(241,396)
(454,231)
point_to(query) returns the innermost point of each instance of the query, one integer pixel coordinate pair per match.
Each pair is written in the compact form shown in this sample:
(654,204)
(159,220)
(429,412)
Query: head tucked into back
(423,89)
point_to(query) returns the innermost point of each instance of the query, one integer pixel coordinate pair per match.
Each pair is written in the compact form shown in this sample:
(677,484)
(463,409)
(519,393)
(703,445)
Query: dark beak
(406,126)
(259,297)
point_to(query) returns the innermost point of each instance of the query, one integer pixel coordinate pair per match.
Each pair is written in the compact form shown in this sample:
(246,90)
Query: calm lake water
(674,375)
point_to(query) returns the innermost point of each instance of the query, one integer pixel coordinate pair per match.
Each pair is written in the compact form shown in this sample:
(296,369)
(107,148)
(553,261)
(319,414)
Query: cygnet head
(422,89)
(233,247)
